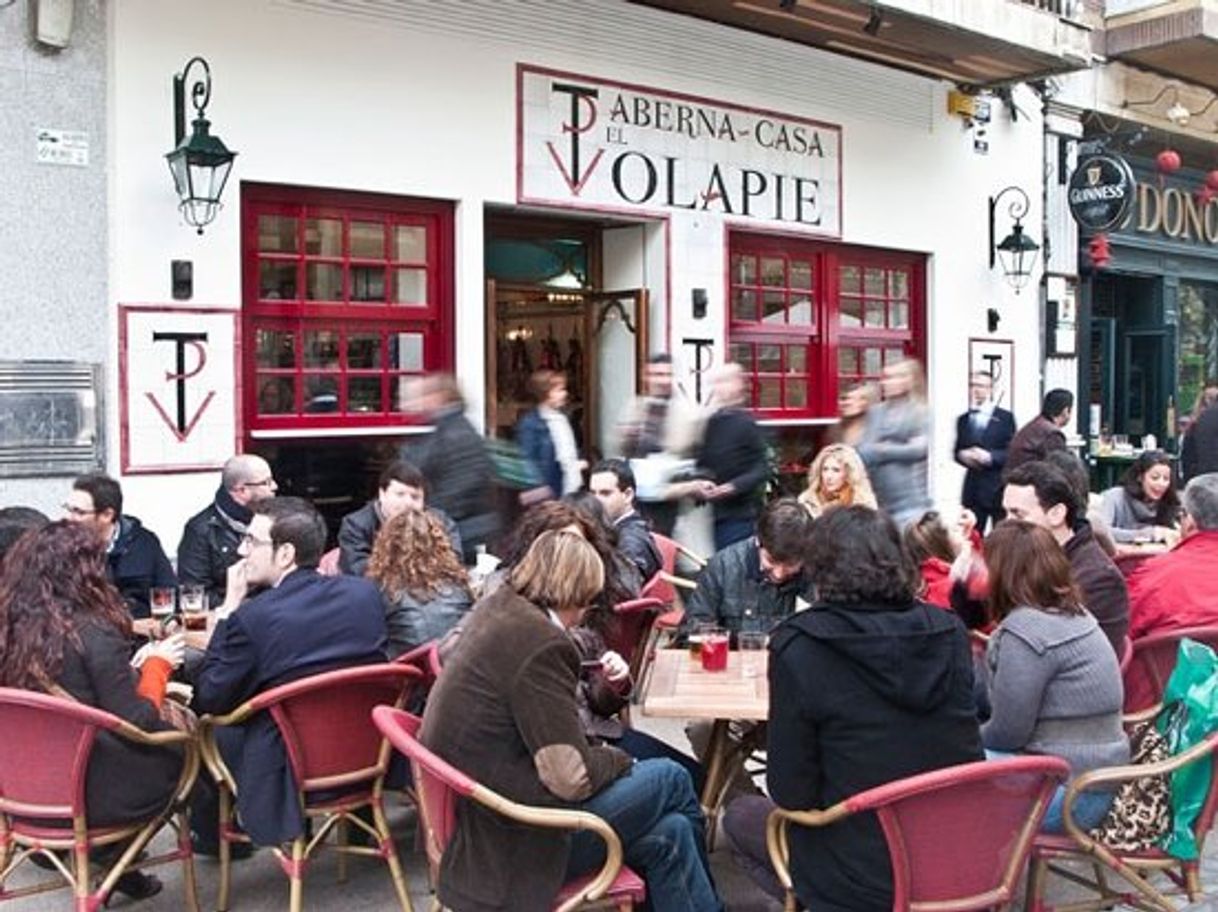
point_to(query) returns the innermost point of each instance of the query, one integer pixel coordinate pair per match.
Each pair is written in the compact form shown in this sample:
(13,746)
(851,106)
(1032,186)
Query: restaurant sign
(1101,192)
(593,144)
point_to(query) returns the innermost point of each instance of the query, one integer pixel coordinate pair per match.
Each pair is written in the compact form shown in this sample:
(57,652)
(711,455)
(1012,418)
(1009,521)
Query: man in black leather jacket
(210,539)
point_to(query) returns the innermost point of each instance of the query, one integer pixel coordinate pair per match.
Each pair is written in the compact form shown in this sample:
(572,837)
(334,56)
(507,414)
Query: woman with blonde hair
(836,478)
(504,712)
(425,588)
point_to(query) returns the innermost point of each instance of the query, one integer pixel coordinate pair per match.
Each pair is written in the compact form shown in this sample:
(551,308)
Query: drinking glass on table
(161,602)
(714,650)
(752,644)
(697,636)
(193,597)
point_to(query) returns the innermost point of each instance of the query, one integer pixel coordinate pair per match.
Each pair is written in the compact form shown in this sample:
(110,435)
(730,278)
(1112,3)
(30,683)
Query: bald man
(210,540)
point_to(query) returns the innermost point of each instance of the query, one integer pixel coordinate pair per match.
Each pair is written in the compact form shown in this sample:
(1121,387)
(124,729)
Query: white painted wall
(421,102)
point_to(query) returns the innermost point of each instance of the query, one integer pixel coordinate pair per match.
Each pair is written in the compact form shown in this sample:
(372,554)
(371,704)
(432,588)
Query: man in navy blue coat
(983,434)
(300,624)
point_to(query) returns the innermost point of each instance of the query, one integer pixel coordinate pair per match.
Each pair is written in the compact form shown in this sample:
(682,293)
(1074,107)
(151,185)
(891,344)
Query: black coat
(861,695)
(126,782)
(306,625)
(983,487)
(460,477)
(733,452)
(357,535)
(209,545)
(1199,453)
(136,563)
(635,543)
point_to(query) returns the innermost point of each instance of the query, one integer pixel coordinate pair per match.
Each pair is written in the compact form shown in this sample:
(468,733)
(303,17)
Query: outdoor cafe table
(680,689)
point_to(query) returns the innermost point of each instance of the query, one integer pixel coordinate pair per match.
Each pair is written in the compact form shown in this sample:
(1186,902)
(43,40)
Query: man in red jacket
(1180,589)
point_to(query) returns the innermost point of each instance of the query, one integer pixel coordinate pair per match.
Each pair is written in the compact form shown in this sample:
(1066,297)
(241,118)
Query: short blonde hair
(560,571)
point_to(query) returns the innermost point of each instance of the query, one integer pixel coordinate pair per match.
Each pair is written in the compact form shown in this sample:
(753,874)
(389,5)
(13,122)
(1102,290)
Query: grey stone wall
(53,261)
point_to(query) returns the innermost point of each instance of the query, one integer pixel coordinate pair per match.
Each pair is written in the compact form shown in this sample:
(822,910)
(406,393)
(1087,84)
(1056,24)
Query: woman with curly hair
(426,589)
(65,630)
(836,478)
(1145,506)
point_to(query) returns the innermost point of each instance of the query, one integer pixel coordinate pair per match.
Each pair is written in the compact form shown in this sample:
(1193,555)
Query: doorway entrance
(546,308)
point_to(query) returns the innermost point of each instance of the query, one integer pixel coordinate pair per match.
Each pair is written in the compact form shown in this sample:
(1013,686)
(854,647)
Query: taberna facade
(489,188)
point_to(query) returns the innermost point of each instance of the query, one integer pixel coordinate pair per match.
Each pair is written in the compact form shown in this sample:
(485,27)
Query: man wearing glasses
(299,623)
(134,557)
(209,542)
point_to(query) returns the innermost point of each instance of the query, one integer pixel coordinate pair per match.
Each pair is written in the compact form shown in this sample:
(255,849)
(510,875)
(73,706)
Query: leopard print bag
(1140,815)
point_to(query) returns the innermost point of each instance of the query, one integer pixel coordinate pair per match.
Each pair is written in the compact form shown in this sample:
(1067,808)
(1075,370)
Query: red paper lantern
(1204,195)
(1211,180)
(1168,161)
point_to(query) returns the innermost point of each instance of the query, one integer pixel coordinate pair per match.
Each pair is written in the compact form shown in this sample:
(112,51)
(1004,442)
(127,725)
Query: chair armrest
(559,818)
(692,556)
(190,755)
(1128,720)
(776,834)
(210,751)
(679,581)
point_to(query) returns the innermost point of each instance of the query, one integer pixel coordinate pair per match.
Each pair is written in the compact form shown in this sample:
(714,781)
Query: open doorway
(547,308)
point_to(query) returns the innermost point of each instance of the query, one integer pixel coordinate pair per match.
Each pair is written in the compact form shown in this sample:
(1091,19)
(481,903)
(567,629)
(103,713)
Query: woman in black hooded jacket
(867,686)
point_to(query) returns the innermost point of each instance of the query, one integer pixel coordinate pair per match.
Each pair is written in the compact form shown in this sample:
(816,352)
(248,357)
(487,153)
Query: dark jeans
(643,746)
(655,813)
(731,530)
(744,823)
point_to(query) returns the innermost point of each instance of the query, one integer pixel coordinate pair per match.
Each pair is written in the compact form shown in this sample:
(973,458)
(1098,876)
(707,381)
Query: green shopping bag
(511,468)
(1189,715)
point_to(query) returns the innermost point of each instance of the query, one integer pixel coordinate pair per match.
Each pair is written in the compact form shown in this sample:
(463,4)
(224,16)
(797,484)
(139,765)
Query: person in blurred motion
(546,439)
(612,483)
(1042,494)
(1145,506)
(1054,682)
(426,590)
(134,557)
(836,478)
(663,422)
(401,488)
(867,686)
(896,443)
(1043,434)
(983,434)
(949,561)
(14,523)
(733,457)
(504,712)
(454,461)
(210,539)
(66,631)
(853,403)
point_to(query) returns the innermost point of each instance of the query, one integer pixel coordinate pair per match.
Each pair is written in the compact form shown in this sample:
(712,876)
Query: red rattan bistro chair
(43,771)
(439,787)
(1153,661)
(332,747)
(958,838)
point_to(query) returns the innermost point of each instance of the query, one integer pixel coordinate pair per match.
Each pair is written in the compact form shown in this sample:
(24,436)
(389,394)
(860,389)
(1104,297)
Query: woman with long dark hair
(1145,506)
(426,590)
(65,630)
(1054,683)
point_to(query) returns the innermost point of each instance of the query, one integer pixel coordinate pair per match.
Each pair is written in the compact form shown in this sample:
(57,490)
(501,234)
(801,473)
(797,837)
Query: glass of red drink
(714,651)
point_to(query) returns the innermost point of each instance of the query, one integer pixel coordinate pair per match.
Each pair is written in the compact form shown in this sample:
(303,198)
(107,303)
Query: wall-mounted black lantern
(199,164)
(1016,251)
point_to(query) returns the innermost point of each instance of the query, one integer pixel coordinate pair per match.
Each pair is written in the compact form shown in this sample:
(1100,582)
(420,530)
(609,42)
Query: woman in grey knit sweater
(1054,683)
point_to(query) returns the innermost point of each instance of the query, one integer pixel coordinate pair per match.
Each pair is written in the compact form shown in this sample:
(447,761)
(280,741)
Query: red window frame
(881,316)
(355,335)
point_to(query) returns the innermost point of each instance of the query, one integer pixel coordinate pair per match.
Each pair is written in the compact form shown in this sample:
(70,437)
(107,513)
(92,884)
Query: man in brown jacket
(504,713)
(1043,433)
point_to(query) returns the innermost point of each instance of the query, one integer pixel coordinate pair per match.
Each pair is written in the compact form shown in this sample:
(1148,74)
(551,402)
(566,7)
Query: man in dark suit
(300,624)
(983,434)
